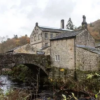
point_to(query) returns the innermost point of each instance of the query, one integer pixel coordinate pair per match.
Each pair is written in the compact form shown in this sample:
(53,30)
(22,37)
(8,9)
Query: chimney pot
(36,23)
(62,24)
(84,23)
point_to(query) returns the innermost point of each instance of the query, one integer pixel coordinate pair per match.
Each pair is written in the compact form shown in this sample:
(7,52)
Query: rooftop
(68,34)
(88,48)
(46,29)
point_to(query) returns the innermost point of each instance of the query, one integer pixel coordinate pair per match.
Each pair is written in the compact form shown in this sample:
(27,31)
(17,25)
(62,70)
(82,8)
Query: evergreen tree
(70,24)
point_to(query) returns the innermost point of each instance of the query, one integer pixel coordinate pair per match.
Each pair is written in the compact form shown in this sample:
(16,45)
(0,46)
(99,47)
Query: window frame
(57,57)
(46,35)
(46,44)
(38,36)
(51,35)
(35,37)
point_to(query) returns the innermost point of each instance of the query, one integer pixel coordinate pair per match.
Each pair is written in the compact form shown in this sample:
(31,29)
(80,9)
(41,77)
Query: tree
(70,25)
(2,43)
(8,44)
(15,37)
(24,40)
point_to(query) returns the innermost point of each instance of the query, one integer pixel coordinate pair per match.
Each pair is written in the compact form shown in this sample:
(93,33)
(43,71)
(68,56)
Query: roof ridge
(53,28)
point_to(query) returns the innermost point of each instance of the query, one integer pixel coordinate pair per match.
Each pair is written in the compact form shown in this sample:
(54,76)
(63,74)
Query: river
(5,83)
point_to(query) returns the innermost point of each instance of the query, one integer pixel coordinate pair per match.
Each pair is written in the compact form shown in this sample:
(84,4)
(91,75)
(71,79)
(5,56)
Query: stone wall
(65,49)
(30,60)
(86,60)
(47,40)
(36,36)
(37,46)
(38,39)
(47,51)
(24,49)
(85,38)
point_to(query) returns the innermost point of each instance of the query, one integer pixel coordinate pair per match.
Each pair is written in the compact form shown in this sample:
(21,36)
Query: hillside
(11,43)
(94,29)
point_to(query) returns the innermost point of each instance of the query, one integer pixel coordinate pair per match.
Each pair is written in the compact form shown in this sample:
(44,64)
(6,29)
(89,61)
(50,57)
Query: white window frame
(57,57)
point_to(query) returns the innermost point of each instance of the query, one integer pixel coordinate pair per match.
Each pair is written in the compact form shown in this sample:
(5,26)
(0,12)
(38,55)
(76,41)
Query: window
(51,35)
(39,37)
(34,37)
(46,36)
(57,58)
(56,34)
(46,44)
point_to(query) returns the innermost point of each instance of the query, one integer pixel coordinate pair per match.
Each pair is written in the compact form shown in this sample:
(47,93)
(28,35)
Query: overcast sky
(18,17)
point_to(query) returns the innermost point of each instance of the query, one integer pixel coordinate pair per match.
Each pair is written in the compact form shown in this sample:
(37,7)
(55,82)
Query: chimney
(36,24)
(84,23)
(62,24)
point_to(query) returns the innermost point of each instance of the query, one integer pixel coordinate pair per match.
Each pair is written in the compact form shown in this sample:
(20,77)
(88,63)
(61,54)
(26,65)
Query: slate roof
(68,34)
(88,48)
(45,47)
(48,29)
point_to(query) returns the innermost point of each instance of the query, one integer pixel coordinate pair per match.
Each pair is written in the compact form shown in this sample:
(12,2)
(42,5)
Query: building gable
(36,35)
(85,38)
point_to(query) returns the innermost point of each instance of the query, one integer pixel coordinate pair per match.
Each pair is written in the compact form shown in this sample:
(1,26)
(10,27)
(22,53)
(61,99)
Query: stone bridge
(34,62)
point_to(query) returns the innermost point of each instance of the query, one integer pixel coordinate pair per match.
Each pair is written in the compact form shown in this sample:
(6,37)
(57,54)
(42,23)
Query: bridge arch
(35,62)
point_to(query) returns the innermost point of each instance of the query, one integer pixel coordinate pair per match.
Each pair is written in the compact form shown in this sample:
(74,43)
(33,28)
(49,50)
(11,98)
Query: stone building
(22,49)
(40,40)
(40,37)
(75,50)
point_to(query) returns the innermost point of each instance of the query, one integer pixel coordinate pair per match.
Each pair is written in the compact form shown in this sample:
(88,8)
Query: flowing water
(5,83)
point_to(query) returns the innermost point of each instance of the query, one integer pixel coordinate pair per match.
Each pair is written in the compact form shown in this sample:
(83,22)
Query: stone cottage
(40,37)
(75,50)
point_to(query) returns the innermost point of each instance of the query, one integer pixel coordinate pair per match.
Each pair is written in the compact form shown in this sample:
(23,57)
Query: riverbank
(11,90)
(24,80)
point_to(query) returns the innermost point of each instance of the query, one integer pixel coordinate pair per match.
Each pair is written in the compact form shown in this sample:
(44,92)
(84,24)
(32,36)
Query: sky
(18,17)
